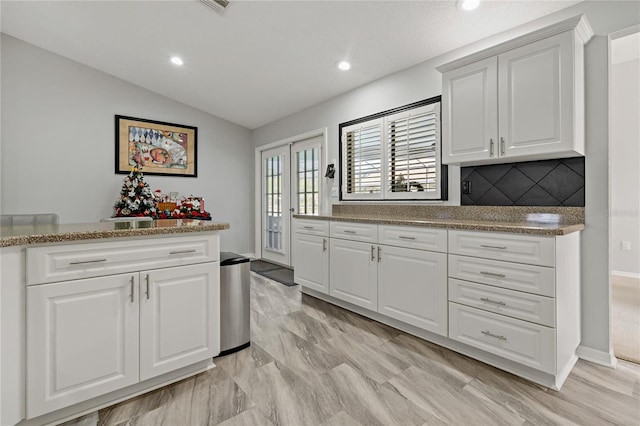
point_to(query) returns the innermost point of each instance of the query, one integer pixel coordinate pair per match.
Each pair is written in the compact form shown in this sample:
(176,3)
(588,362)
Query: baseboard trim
(626,274)
(597,356)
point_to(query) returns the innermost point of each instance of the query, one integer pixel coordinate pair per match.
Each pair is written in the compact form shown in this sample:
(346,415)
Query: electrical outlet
(626,245)
(466,187)
(334,191)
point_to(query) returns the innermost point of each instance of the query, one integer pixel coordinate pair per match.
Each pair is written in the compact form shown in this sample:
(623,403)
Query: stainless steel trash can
(235,294)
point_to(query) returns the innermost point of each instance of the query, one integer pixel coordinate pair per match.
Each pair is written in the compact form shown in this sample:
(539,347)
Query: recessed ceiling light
(468,4)
(177,61)
(344,65)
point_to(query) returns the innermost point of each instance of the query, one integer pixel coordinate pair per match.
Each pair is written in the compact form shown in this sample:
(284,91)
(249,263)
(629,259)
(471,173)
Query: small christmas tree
(136,198)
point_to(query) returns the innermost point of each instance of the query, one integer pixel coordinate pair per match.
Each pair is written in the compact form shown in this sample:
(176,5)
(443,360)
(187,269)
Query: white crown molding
(578,23)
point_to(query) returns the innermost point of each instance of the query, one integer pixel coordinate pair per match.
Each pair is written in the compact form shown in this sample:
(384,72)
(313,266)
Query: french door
(291,184)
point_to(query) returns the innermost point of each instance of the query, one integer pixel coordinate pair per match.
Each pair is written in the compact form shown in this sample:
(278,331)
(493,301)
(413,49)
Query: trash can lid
(229,258)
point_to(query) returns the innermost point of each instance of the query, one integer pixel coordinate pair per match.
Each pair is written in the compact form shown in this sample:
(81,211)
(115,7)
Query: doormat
(274,272)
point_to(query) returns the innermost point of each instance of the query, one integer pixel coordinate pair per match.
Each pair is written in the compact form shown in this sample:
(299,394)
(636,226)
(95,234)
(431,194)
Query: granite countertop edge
(82,235)
(534,228)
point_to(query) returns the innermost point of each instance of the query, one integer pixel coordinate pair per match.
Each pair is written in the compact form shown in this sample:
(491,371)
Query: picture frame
(158,147)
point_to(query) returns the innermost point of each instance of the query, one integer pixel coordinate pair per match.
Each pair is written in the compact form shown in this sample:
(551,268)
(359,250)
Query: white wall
(625,165)
(57,152)
(423,81)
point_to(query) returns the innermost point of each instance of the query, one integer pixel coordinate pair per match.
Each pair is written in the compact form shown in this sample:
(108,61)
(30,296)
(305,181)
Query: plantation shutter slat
(412,152)
(363,158)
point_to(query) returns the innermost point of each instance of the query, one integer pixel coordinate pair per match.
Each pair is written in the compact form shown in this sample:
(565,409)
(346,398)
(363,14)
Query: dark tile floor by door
(311,363)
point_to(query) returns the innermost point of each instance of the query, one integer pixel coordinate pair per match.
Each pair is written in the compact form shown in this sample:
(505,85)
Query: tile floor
(311,363)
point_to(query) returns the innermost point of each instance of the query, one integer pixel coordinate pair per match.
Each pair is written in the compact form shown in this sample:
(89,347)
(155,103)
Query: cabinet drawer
(75,261)
(413,237)
(313,227)
(515,304)
(514,276)
(354,231)
(535,250)
(520,341)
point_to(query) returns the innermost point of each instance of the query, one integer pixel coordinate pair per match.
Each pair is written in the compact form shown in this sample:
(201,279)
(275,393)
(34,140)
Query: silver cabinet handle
(406,238)
(493,247)
(148,287)
(501,145)
(182,251)
(324,244)
(379,254)
(491,274)
(348,231)
(373,253)
(88,261)
(308,227)
(491,147)
(132,290)
(490,334)
(495,302)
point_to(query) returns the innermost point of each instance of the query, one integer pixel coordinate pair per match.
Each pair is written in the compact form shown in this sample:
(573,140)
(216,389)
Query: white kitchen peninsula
(93,314)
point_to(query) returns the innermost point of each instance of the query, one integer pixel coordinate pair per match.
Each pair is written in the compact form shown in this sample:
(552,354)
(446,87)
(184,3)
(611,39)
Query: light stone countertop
(40,234)
(516,226)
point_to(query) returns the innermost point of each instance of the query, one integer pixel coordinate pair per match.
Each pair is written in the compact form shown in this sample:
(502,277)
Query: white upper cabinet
(470,112)
(522,100)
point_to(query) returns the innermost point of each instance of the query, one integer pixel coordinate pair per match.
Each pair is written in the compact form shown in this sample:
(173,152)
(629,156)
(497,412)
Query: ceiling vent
(217,5)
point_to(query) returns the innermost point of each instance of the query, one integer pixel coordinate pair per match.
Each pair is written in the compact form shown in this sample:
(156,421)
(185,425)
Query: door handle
(132,289)
(379,254)
(148,287)
(490,334)
(183,251)
(491,147)
(492,274)
(88,261)
(324,244)
(373,253)
(501,145)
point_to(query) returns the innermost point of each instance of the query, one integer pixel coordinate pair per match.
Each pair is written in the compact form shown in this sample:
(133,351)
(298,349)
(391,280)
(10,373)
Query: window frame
(386,195)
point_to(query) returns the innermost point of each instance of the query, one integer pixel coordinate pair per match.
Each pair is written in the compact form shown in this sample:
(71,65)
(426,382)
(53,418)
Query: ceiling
(260,60)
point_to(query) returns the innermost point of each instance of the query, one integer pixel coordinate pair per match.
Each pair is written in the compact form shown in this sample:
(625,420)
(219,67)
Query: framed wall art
(160,148)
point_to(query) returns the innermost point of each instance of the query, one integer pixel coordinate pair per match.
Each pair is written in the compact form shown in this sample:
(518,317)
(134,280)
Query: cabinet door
(536,98)
(470,112)
(179,314)
(82,340)
(353,273)
(311,262)
(412,287)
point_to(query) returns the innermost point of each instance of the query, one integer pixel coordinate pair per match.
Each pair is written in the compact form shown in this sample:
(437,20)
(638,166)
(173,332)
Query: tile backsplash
(534,183)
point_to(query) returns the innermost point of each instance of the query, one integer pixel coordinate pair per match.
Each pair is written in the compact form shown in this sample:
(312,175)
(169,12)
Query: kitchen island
(92,314)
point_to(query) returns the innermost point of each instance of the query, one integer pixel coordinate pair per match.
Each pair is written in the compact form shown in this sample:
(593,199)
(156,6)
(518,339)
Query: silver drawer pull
(308,227)
(88,261)
(324,244)
(132,290)
(493,247)
(406,238)
(182,251)
(490,334)
(373,253)
(495,302)
(492,274)
(347,231)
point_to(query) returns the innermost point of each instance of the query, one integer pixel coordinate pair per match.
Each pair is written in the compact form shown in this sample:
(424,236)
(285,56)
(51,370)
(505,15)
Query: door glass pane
(273,203)
(307,173)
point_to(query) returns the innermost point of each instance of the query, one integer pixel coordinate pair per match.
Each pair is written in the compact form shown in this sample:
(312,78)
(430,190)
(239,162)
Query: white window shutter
(362,160)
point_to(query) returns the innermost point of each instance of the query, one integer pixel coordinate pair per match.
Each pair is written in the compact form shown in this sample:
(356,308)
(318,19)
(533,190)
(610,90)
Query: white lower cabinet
(88,337)
(311,262)
(176,324)
(412,287)
(354,273)
(82,340)
(511,299)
